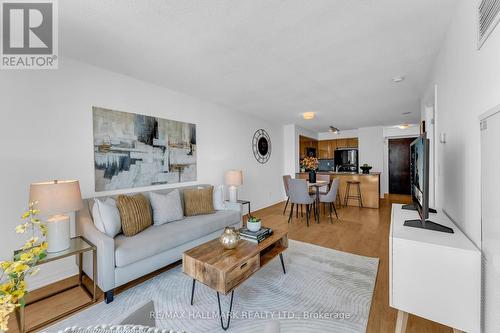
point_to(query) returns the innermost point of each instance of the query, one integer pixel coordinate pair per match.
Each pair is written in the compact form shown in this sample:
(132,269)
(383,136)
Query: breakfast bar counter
(369,184)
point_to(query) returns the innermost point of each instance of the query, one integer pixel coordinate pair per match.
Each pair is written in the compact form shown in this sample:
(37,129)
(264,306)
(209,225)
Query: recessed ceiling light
(308,115)
(403,126)
(398,79)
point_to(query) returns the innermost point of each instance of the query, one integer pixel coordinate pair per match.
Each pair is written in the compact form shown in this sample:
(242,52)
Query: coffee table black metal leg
(282,263)
(192,291)
(229,313)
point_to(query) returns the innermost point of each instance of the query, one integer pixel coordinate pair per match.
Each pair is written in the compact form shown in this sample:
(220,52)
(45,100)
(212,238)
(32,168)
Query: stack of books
(255,236)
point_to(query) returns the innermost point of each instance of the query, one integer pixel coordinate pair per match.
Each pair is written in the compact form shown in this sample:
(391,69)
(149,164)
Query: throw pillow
(198,201)
(219,198)
(166,207)
(107,217)
(135,213)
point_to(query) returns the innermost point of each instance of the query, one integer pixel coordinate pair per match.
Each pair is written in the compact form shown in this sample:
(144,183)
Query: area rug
(323,290)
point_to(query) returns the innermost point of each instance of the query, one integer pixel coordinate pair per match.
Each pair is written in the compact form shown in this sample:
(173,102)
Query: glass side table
(78,246)
(243,202)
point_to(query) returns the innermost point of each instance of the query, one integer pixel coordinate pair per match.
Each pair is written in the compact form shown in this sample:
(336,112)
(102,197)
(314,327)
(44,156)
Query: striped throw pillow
(199,201)
(135,213)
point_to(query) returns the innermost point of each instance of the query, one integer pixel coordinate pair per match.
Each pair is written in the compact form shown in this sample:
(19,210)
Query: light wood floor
(362,231)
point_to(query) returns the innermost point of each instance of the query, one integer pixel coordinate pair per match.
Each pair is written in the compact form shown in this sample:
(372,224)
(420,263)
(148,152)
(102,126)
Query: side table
(243,202)
(78,246)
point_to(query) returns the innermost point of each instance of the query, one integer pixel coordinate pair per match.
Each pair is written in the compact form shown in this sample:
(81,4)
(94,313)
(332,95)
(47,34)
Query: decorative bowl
(366,169)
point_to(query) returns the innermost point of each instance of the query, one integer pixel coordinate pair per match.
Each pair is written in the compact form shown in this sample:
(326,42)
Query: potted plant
(366,168)
(13,272)
(310,164)
(253,223)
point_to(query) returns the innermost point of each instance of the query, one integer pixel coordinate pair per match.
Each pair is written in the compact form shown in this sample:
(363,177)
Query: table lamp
(55,199)
(233,178)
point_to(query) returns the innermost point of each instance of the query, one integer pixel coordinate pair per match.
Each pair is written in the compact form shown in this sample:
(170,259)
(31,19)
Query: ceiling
(271,58)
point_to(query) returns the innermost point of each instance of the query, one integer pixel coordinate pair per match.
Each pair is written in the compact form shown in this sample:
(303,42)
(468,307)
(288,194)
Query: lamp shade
(56,197)
(233,177)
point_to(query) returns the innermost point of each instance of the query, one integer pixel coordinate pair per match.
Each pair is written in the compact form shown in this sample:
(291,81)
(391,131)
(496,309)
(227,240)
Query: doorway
(399,166)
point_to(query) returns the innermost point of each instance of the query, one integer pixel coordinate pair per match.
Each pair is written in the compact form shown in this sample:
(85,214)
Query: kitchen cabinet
(304,143)
(326,148)
(352,143)
(369,183)
(323,149)
(341,143)
(332,145)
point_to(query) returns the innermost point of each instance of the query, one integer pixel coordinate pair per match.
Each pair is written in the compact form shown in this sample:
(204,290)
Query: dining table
(317,185)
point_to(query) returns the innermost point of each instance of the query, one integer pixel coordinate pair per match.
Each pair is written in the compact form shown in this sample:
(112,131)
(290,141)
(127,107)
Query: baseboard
(269,205)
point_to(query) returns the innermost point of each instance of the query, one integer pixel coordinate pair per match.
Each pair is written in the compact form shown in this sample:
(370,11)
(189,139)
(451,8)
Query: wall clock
(261,145)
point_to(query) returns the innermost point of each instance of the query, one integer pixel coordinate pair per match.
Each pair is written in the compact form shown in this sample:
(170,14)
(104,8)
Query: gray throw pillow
(166,207)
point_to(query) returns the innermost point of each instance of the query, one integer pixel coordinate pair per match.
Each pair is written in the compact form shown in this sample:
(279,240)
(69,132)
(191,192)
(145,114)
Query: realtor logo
(29,34)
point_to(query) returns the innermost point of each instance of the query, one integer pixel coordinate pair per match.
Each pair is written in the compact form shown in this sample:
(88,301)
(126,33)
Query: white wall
(468,84)
(340,135)
(46,133)
(396,132)
(371,150)
(291,146)
(290,149)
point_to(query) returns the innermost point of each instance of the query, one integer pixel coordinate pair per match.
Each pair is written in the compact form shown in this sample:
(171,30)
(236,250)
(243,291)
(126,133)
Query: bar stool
(356,196)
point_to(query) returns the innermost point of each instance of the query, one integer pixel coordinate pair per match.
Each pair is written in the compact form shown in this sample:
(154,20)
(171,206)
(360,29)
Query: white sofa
(123,259)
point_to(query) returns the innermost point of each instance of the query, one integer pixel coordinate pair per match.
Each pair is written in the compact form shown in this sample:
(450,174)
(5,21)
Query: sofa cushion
(107,217)
(166,207)
(219,197)
(199,201)
(157,239)
(135,213)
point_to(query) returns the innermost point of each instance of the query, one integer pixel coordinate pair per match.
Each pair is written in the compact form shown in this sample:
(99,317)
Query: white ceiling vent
(488,18)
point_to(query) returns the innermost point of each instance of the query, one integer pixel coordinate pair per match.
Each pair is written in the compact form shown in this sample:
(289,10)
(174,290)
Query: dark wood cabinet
(304,143)
(326,148)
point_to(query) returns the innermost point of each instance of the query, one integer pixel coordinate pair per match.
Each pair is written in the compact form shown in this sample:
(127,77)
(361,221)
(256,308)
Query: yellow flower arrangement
(309,163)
(12,273)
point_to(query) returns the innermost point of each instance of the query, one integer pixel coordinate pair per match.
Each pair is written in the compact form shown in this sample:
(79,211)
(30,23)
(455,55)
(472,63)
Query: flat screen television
(419,174)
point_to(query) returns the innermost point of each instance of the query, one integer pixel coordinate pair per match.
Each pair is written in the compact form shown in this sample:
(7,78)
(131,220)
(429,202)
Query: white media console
(434,275)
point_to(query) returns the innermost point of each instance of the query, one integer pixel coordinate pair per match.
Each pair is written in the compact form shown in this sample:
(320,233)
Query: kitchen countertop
(369,185)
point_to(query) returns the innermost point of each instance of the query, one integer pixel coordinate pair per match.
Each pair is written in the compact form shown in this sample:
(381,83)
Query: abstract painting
(133,150)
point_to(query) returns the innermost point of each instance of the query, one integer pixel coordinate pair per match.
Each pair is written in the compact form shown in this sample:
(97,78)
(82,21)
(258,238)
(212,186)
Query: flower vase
(229,238)
(312,176)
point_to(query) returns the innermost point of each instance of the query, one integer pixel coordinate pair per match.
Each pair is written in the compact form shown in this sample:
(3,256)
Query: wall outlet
(442,137)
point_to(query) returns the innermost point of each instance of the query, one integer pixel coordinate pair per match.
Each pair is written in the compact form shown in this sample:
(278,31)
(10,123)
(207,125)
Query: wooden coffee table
(224,270)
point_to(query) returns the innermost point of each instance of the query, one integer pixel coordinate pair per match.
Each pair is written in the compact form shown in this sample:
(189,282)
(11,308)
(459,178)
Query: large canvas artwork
(133,150)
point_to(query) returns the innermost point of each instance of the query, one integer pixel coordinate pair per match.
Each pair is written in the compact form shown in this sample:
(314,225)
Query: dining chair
(286,178)
(323,178)
(299,195)
(330,197)
(323,189)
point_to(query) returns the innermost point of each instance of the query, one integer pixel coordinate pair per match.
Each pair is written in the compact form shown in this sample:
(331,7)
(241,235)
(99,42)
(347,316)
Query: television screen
(418,170)
(419,160)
